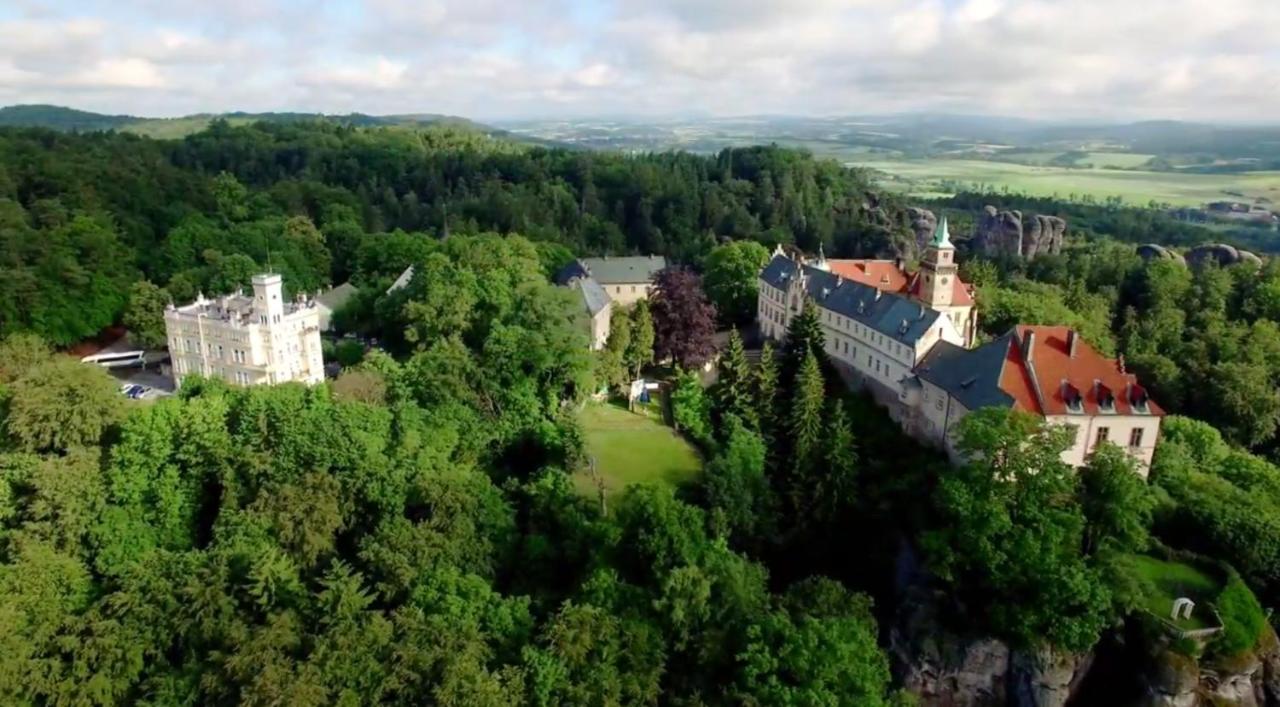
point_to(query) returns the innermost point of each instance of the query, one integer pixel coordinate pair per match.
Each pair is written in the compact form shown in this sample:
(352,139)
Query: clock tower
(938,269)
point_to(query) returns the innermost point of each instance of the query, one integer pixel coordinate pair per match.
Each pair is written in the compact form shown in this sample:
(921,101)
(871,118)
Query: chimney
(839,281)
(899,263)
(1072,337)
(1028,345)
(1120,363)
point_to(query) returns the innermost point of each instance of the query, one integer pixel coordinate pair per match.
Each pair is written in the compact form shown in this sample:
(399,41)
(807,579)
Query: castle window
(1135,437)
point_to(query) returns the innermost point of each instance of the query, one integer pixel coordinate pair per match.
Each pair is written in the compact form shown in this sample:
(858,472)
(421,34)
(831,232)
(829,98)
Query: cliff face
(1007,233)
(944,669)
(923,224)
(1249,680)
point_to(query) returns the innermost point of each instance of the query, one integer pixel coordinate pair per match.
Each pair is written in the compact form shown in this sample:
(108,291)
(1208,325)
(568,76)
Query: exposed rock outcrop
(1222,253)
(1266,682)
(1153,251)
(1172,680)
(942,668)
(1045,678)
(1007,233)
(923,224)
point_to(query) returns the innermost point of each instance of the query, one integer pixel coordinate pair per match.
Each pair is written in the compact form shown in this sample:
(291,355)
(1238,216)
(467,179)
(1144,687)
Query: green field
(918,177)
(631,448)
(1163,582)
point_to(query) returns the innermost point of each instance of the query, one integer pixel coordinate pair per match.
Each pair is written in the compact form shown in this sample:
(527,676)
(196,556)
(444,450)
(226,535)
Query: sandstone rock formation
(1153,251)
(1045,677)
(1007,233)
(1222,253)
(944,669)
(923,224)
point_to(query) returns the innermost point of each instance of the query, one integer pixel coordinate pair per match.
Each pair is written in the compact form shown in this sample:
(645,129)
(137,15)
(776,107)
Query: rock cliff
(923,224)
(1007,233)
(945,669)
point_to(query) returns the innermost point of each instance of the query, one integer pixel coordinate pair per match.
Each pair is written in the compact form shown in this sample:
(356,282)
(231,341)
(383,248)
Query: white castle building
(909,339)
(247,340)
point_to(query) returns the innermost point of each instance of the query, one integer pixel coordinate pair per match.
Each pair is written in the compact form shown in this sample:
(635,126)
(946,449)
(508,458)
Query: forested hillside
(81,216)
(410,532)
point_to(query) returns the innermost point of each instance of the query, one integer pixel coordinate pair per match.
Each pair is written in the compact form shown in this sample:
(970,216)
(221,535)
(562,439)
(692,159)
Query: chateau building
(246,340)
(936,284)
(1049,371)
(908,338)
(608,283)
(875,337)
(626,280)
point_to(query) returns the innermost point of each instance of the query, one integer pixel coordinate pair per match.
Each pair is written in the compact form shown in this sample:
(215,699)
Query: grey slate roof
(623,271)
(593,295)
(571,272)
(971,376)
(887,313)
(335,297)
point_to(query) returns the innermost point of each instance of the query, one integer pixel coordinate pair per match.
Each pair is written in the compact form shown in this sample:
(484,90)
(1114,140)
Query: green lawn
(1136,187)
(1163,582)
(632,448)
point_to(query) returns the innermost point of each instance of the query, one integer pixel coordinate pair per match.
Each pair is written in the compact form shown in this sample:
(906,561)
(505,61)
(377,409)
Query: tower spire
(941,236)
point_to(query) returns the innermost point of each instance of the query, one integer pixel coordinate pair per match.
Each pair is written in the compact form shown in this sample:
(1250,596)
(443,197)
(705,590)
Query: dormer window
(1071,398)
(1106,399)
(1138,398)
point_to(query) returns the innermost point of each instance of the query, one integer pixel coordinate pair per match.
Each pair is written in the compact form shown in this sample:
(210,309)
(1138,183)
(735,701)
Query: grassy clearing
(1136,187)
(1163,582)
(633,448)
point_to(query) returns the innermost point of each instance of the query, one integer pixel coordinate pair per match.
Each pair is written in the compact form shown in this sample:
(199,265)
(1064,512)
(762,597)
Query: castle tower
(938,268)
(268,302)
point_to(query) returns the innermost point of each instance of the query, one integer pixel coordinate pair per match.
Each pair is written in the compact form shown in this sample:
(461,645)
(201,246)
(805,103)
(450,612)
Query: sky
(514,59)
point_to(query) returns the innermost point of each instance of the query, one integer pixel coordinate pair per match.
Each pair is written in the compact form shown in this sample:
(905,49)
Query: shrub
(1242,617)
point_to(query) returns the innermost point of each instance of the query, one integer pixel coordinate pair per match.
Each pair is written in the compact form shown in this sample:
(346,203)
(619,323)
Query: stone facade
(247,340)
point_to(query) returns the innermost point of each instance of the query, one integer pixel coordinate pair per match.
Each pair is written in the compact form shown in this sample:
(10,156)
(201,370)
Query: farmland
(934,176)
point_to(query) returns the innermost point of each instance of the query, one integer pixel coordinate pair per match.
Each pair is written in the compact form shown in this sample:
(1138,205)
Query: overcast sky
(492,59)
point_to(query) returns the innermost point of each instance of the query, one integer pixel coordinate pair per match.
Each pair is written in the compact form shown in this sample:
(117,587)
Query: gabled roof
(335,297)
(626,270)
(961,292)
(999,374)
(883,274)
(593,295)
(887,313)
(571,272)
(971,376)
(402,281)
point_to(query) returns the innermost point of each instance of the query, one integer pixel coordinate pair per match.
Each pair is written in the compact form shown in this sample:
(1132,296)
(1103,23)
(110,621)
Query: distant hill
(72,120)
(61,118)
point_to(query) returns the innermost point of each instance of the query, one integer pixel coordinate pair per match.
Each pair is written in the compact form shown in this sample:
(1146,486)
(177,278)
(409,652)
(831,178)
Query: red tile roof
(1054,375)
(888,276)
(961,292)
(880,274)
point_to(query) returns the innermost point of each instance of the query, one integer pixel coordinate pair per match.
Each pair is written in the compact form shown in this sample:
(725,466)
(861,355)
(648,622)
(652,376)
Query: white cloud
(493,58)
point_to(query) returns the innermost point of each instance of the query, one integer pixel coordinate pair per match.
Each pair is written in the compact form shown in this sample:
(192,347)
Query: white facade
(871,353)
(246,340)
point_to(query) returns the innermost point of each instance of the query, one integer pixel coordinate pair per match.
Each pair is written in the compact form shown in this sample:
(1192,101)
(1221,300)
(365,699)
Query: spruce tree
(805,427)
(765,389)
(804,335)
(834,485)
(733,389)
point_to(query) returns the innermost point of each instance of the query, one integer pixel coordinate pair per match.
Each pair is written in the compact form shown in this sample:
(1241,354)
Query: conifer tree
(805,426)
(803,335)
(733,390)
(834,484)
(765,389)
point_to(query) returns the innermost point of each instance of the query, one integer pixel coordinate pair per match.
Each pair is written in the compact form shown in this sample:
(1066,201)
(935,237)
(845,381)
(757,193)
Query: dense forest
(409,532)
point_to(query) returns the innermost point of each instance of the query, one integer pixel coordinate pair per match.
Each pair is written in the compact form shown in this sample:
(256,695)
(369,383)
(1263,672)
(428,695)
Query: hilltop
(73,120)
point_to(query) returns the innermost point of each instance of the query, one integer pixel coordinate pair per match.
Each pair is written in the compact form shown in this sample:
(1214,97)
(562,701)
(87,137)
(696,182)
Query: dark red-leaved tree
(683,320)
